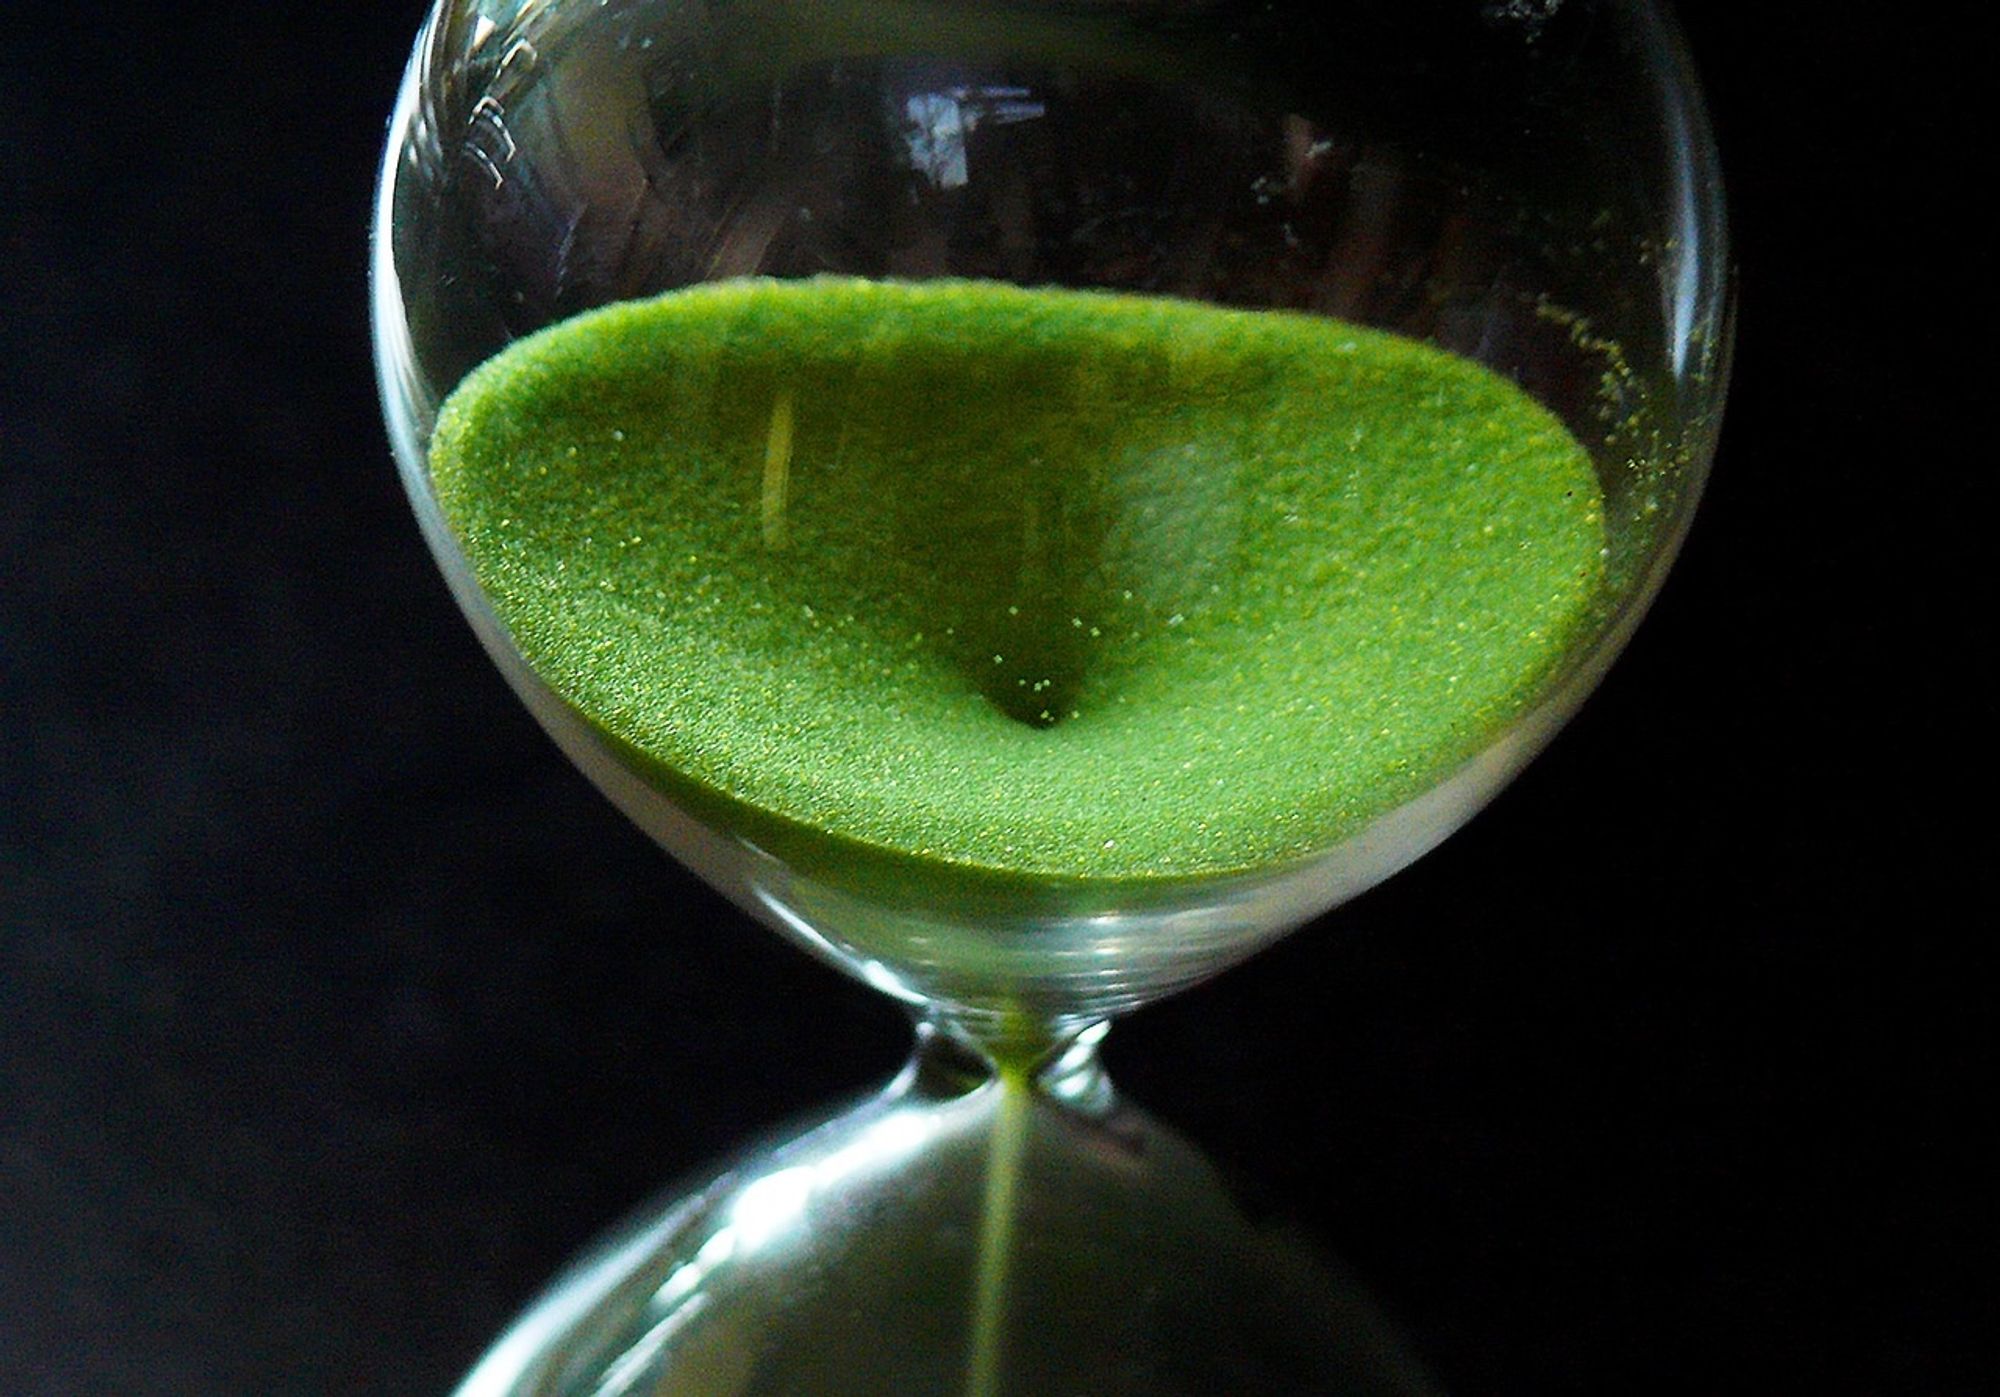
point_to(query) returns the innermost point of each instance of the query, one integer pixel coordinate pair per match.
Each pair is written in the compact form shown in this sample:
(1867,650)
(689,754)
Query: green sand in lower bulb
(1046,584)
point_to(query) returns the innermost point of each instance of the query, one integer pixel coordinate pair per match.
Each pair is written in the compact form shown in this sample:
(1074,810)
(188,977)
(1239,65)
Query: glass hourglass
(1035,501)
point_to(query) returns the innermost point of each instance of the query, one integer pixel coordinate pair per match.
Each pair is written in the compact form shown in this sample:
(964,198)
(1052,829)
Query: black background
(335,1009)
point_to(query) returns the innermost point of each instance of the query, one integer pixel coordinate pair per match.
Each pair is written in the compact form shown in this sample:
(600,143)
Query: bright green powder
(1042,583)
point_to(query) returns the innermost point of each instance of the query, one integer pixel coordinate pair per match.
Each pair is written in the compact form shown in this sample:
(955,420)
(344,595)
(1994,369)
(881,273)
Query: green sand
(1047,584)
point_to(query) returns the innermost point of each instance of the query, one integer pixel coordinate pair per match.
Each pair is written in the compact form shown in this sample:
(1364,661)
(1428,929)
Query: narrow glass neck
(1059,1060)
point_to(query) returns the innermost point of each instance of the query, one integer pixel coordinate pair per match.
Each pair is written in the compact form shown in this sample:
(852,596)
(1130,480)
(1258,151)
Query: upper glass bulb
(1037,499)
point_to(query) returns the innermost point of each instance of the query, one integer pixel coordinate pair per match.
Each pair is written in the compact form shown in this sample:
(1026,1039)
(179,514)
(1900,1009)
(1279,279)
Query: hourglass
(1034,501)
